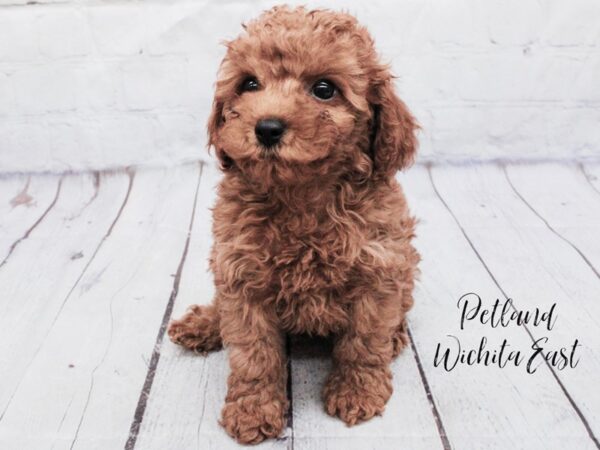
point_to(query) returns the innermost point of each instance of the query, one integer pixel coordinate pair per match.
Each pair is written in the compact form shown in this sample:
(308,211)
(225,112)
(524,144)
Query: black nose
(269,131)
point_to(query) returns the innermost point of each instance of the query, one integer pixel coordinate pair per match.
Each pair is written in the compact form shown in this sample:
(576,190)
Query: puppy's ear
(215,121)
(393,128)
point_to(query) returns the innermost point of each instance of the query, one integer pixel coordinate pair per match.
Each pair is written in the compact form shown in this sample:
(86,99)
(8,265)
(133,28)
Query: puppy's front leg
(359,384)
(256,400)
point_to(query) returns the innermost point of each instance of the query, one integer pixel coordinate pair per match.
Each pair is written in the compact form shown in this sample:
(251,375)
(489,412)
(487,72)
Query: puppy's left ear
(215,121)
(393,129)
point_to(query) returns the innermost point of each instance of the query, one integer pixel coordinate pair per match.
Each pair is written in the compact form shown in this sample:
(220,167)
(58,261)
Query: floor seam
(140,410)
(588,179)
(436,414)
(35,224)
(556,233)
(104,238)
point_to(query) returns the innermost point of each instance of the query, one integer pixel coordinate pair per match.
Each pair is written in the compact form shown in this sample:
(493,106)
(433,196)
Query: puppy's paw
(356,396)
(197,330)
(252,419)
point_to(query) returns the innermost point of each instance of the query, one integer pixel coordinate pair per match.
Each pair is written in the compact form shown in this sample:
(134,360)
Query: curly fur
(315,237)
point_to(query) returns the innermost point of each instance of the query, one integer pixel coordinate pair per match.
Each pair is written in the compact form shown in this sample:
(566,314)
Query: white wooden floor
(93,266)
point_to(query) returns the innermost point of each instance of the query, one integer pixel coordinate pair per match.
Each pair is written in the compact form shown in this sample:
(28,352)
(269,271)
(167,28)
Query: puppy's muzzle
(269,131)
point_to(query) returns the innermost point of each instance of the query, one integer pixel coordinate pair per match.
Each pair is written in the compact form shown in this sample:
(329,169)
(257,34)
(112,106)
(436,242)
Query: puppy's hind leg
(198,329)
(400,338)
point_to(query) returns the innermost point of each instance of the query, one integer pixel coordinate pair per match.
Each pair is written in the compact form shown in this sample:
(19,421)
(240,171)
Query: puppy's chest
(310,275)
(310,253)
(318,260)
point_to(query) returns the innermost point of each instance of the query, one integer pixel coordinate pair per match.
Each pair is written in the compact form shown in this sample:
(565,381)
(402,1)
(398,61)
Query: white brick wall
(97,84)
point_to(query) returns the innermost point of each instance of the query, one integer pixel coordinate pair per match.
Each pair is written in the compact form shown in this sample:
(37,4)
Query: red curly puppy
(312,233)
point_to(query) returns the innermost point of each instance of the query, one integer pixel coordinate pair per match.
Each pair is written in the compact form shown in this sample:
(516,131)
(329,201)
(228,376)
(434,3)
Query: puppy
(312,233)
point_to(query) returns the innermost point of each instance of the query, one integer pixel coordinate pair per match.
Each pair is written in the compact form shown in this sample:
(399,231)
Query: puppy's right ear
(215,121)
(393,142)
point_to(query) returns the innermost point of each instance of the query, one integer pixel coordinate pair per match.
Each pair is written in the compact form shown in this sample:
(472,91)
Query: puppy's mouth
(269,153)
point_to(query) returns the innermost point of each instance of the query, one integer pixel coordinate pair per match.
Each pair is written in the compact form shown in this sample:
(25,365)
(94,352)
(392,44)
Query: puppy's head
(301,95)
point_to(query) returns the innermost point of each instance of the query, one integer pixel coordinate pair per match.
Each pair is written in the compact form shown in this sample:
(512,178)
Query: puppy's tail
(198,329)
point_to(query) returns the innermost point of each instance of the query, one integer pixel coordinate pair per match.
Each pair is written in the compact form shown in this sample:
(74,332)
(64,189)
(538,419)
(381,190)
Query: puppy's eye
(249,84)
(324,89)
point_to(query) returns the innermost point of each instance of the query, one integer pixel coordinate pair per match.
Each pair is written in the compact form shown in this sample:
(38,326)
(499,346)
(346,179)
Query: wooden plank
(535,268)
(24,203)
(82,387)
(562,197)
(189,390)
(41,274)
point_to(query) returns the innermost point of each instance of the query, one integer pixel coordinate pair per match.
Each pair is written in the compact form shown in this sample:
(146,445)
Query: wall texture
(99,84)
